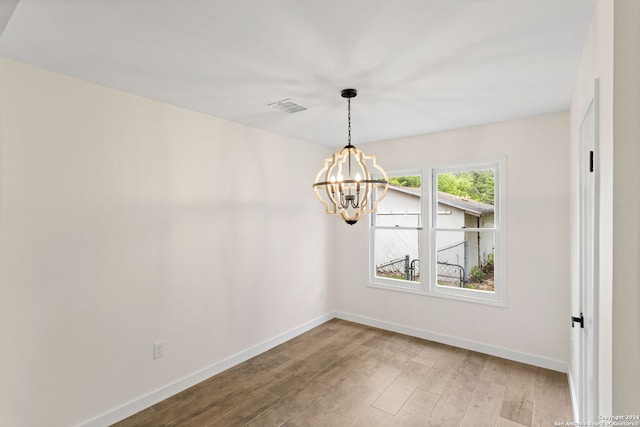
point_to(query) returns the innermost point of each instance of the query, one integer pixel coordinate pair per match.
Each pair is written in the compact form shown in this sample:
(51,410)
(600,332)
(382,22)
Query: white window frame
(398,283)
(427,235)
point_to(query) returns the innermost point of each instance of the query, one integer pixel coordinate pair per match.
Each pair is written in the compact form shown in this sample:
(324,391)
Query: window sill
(472,298)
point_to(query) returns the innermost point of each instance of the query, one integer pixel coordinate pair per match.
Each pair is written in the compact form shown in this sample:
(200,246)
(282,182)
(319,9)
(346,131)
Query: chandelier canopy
(351,183)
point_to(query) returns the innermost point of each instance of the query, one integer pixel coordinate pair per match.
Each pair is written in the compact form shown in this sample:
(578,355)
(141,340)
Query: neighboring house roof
(467,205)
(407,190)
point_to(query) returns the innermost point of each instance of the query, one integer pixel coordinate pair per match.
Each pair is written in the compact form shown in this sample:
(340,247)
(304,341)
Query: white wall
(612,54)
(596,62)
(535,321)
(626,208)
(125,221)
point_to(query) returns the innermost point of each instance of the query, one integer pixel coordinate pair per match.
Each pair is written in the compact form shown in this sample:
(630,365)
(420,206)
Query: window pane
(465,259)
(401,206)
(396,254)
(466,199)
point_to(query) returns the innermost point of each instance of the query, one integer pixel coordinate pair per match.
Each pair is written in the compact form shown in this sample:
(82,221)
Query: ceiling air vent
(287,105)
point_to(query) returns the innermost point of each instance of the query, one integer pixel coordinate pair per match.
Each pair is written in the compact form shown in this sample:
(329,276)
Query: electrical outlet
(158,350)
(323,293)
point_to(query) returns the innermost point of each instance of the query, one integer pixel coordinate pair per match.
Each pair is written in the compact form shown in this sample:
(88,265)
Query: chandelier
(351,183)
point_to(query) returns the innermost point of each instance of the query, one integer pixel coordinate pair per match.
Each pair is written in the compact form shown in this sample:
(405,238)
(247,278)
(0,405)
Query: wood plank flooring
(346,374)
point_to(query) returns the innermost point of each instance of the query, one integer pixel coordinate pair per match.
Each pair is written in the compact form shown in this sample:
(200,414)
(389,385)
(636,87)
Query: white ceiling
(420,66)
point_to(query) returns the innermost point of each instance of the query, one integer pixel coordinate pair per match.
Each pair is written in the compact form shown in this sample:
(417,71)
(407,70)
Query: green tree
(405,181)
(477,185)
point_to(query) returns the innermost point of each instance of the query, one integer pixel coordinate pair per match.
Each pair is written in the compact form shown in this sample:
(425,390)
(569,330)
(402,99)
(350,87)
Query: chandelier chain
(349,119)
(349,131)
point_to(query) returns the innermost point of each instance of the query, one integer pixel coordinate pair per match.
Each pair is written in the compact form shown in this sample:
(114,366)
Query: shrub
(490,259)
(488,264)
(476,274)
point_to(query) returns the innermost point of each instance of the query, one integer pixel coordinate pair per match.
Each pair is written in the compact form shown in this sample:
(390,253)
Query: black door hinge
(590,161)
(575,320)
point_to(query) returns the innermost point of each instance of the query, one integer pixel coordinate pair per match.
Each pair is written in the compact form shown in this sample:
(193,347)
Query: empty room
(319,213)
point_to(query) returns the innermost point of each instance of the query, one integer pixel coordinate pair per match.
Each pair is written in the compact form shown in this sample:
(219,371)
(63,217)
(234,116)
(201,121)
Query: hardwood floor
(346,374)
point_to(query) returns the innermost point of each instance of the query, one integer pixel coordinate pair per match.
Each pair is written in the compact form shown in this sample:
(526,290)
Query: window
(460,253)
(396,232)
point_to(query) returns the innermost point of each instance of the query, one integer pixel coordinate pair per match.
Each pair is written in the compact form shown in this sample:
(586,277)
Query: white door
(587,370)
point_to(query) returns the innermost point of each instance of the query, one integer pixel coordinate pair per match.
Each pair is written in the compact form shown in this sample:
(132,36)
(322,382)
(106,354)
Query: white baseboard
(137,405)
(517,356)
